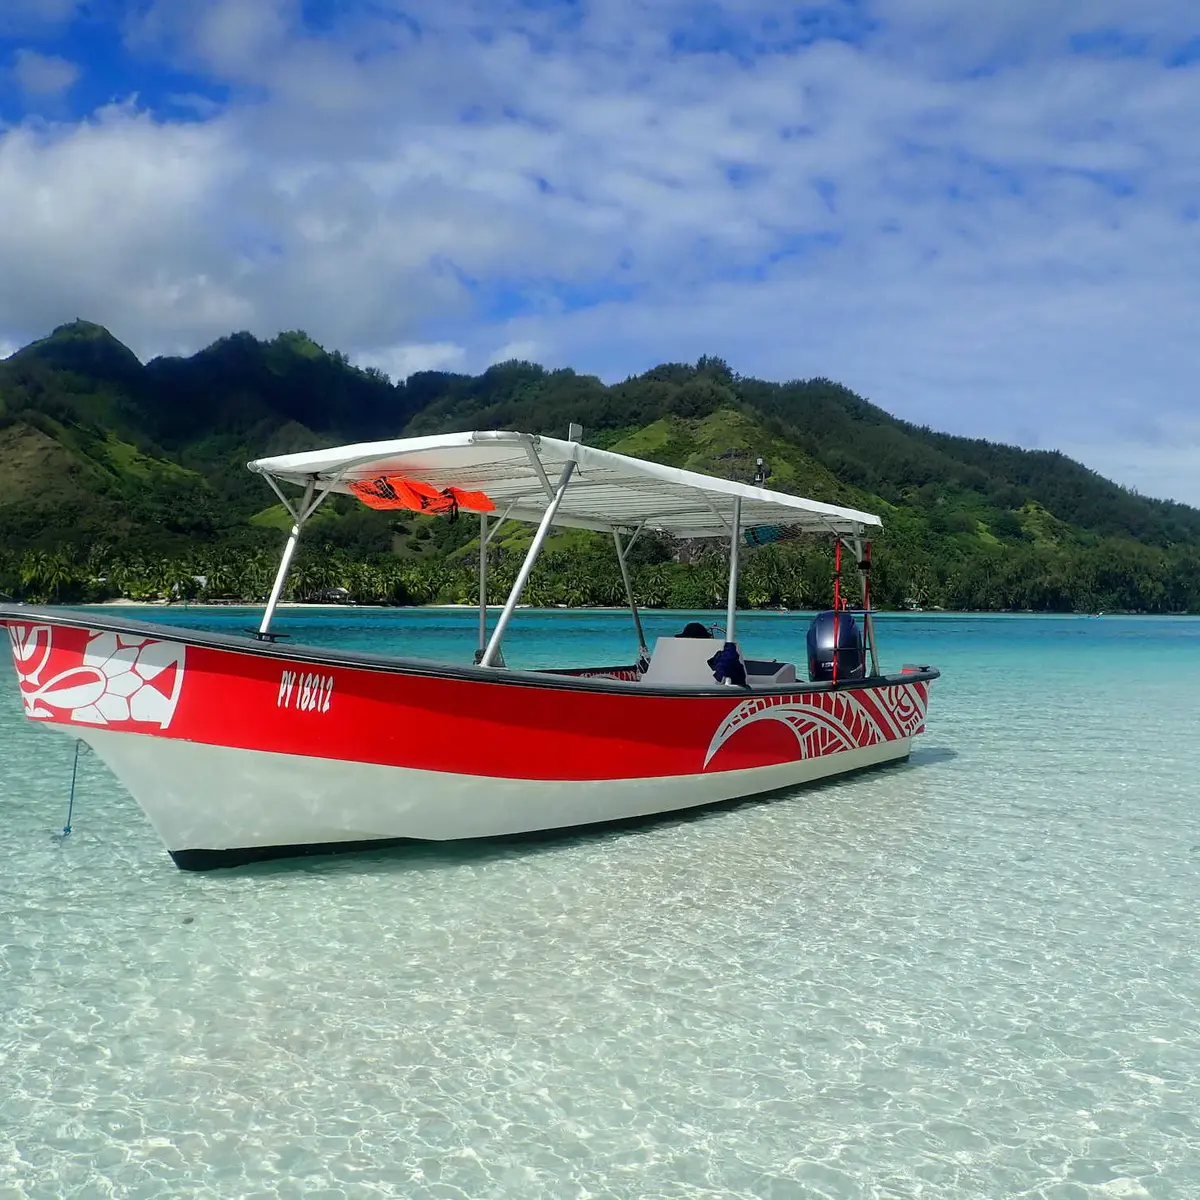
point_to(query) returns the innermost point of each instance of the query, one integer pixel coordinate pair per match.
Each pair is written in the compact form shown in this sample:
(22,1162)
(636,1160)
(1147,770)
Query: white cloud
(1006,253)
(231,38)
(399,362)
(200,106)
(27,16)
(947,31)
(42,76)
(117,218)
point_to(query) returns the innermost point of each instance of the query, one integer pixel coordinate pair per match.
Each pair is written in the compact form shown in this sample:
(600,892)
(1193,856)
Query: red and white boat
(243,748)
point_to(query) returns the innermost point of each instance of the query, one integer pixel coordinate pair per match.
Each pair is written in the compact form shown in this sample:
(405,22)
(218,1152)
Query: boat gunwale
(432,668)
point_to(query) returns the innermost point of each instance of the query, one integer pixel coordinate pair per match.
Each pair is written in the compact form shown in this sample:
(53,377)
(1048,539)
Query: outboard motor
(851,659)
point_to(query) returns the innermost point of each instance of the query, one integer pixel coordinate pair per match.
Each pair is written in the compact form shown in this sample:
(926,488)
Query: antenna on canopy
(762,472)
(574,432)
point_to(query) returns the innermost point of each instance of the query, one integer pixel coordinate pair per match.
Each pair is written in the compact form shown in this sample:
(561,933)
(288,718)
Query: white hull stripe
(201,797)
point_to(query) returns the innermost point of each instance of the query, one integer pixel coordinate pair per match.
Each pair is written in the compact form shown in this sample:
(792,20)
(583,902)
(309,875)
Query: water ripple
(972,976)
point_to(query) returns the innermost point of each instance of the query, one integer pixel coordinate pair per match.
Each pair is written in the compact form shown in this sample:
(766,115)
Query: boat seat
(682,661)
(769,674)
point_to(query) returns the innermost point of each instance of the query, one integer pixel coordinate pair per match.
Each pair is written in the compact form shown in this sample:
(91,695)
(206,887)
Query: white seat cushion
(682,661)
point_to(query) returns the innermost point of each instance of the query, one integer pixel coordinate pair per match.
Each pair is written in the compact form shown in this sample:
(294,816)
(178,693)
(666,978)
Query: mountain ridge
(106,456)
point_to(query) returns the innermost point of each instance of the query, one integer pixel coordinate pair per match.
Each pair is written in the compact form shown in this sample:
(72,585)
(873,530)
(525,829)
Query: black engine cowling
(851,658)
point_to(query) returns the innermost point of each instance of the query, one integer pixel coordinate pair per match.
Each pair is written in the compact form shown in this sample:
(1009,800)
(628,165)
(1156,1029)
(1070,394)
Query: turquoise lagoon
(973,975)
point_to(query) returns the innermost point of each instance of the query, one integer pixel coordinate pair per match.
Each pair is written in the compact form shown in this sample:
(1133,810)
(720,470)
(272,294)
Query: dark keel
(211,860)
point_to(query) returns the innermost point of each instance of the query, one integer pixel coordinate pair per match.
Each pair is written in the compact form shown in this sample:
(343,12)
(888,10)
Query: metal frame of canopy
(333,470)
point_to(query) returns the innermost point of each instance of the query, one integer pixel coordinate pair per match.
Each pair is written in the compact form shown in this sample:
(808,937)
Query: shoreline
(325,607)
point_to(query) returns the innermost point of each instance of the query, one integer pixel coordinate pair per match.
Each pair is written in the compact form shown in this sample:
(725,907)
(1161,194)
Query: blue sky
(983,217)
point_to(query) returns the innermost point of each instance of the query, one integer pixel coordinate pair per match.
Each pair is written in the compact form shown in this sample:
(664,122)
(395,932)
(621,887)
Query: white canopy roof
(520,471)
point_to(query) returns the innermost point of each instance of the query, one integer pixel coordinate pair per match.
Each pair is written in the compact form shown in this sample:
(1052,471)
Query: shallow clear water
(975,975)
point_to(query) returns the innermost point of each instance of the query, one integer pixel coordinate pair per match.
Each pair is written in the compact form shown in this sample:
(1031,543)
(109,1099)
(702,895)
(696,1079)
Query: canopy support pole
(483,549)
(485,541)
(299,514)
(493,646)
(643,652)
(862,556)
(538,469)
(734,548)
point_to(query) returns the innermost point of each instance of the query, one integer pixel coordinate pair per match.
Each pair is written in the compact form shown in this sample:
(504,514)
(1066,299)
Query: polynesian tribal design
(826,722)
(96,678)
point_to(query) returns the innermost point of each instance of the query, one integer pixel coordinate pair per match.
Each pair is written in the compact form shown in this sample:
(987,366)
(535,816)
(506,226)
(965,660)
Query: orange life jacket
(394,491)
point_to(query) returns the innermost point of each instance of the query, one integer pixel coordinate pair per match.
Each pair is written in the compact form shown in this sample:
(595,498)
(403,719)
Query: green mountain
(118,477)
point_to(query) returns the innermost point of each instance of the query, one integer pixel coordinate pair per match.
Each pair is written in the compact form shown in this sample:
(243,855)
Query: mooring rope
(71,802)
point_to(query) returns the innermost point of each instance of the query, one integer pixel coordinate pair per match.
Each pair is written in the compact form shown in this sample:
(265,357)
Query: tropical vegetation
(124,479)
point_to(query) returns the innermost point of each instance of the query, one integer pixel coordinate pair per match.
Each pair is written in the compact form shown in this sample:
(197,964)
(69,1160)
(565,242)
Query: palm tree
(541,592)
(416,585)
(575,586)
(182,582)
(711,577)
(46,576)
(365,582)
(35,568)
(222,580)
(610,589)
(653,586)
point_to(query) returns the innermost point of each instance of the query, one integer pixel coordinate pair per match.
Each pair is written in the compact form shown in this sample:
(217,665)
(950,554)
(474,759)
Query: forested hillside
(122,478)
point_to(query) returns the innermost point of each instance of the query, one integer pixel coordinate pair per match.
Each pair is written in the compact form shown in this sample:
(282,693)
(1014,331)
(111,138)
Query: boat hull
(220,806)
(238,750)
